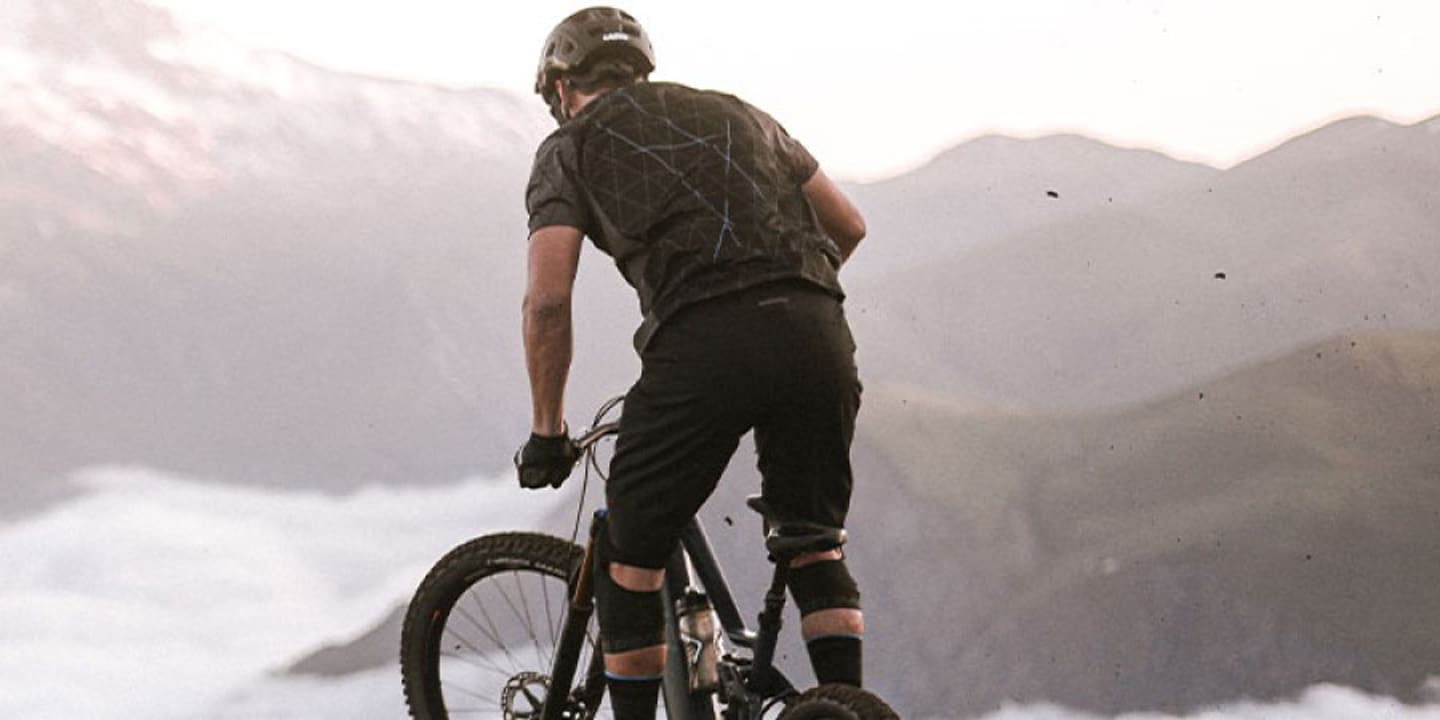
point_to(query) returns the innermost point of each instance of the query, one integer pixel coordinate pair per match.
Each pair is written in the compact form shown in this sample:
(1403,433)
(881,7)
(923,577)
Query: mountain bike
(503,626)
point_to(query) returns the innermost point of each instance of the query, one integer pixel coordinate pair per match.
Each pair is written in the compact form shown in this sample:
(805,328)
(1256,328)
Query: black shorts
(779,359)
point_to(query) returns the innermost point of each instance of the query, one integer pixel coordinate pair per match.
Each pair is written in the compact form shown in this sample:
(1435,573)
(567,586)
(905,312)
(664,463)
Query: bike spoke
(493,634)
(492,666)
(521,615)
(530,625)
(478,696)
(550,616)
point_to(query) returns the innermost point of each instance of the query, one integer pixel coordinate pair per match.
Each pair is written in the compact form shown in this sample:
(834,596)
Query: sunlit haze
(877,88)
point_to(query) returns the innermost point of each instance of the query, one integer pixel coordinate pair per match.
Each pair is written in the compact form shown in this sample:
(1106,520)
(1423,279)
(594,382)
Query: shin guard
(629,620)
(823,585)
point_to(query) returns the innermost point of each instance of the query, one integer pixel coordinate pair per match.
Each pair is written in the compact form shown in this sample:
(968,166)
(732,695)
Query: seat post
(771,620)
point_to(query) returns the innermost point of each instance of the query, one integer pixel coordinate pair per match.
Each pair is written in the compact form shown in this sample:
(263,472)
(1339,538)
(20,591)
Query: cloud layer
(154,596)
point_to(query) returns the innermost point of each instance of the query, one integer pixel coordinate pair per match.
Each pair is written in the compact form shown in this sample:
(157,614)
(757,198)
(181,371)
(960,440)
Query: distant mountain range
(1113,402)
(1144,281)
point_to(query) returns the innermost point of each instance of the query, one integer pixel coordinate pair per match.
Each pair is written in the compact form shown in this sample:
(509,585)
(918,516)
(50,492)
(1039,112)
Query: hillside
(1259,533)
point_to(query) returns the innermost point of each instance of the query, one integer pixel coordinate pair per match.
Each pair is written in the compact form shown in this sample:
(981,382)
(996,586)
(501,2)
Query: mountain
(994,187)
(1118,302)
(1267,530)
(236,265)
(1258,534)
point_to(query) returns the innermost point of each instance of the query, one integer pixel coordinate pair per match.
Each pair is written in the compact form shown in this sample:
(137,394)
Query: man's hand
(545,460)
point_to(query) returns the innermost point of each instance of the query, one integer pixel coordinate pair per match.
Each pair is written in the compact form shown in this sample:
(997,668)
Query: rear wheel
(838,702)
(481,634)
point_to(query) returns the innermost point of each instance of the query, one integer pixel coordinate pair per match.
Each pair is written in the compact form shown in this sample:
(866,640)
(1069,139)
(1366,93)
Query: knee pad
(629,620)
(824,585)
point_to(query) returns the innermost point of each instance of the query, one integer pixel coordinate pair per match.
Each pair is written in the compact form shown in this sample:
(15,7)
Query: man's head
(594,50)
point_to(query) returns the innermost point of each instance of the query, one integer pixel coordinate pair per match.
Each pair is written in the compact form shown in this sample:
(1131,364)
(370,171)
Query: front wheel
(482,632)
(838,702)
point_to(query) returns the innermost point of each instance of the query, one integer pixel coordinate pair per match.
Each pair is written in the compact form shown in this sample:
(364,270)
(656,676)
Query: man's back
(696,194)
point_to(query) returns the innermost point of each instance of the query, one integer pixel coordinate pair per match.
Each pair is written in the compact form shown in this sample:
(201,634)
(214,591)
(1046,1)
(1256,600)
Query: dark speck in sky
(1220,276)
(1052,193)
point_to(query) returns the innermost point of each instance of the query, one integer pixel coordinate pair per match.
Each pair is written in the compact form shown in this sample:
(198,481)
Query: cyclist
(732,237)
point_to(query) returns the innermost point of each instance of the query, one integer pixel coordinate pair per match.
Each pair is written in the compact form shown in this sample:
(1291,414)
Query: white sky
(875,88)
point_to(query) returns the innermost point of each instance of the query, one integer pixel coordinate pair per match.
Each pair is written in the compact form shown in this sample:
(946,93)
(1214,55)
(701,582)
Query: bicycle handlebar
(589,437)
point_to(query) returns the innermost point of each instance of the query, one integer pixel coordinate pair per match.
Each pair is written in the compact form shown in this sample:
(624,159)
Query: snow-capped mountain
(165,109)
(172,204)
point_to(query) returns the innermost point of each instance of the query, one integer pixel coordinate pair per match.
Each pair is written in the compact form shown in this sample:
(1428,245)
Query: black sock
(634,699)
(836,659)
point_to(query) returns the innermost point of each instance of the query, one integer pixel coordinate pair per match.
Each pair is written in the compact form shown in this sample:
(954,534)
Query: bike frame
(694,565)
(695,561)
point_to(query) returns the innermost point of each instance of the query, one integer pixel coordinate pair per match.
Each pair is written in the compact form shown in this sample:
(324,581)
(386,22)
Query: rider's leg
(646,661)
(830,618)
(683,420)
(804,448)
(828,621)
(629,605)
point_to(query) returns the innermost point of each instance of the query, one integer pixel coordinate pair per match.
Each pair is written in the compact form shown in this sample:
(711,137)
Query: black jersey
(695,194)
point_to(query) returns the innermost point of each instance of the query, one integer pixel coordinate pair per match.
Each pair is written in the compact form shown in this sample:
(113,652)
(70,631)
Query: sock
(836,658)
(634,698)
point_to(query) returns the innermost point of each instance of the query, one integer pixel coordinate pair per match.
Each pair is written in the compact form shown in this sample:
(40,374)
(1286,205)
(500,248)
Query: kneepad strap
(824,585)
(629,620)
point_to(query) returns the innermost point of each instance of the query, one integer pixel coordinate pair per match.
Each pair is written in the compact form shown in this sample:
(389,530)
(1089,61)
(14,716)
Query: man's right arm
(838,216)
(554,256)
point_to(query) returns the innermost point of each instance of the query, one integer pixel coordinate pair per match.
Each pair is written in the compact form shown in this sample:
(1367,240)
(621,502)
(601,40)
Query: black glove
(545,460)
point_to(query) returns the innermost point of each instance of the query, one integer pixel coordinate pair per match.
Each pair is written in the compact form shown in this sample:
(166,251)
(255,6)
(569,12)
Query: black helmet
(590,34)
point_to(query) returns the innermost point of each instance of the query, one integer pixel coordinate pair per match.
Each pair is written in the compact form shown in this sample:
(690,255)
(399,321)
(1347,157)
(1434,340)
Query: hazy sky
(877,87)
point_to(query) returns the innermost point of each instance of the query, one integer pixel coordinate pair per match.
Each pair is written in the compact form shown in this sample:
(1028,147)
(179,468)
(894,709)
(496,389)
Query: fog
(160,597)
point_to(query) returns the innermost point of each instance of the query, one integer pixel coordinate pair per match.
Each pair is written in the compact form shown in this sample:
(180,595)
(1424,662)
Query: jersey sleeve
(798,163)
(553,196)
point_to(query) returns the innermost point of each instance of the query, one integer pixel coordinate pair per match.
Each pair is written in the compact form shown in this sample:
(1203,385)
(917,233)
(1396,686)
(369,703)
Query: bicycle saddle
(786,538)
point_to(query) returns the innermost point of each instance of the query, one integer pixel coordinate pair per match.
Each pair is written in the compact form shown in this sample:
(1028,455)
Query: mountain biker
(732,237)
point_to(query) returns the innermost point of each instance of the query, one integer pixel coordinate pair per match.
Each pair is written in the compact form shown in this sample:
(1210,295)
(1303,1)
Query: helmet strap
(559,108)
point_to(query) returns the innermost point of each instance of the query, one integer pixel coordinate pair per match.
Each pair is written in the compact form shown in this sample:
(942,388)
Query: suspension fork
(573,634)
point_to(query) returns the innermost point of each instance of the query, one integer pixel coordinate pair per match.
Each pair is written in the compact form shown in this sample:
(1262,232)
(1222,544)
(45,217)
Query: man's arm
(839,217)
(553,258)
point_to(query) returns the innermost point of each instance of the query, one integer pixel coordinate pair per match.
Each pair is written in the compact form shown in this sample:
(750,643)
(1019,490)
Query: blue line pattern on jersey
(697,139)
(726,227)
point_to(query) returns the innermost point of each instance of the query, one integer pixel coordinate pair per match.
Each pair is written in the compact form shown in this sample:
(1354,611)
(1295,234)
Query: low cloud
(160,597)
(154,596)
(1322,702)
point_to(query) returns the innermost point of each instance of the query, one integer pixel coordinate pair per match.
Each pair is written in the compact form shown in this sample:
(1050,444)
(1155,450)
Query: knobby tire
(480,634)
(838,702)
